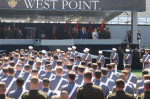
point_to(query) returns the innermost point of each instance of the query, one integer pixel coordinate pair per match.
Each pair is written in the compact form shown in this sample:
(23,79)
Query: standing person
(101,58)
(145,60)
(82,33)
(89,90)
(114,58)
(75,33)
(87,56)
(120,54)
(127,59)
(129,35)
(120,93)
(34,93)
(136,59)
(142,51)
(95,34)
(138,37)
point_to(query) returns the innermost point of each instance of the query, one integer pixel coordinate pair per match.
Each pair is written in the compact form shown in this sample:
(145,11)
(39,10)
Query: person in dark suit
(34,93)
(120,94)
(82,33)
(146,94)
(89,90)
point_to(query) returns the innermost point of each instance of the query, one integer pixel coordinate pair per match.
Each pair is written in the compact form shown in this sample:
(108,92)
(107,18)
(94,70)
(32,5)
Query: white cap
(127,50)
(73,47)
(43,51)
(100,52)
(69,48)
(114,49)
(86,50)
(30,47)
(58,50)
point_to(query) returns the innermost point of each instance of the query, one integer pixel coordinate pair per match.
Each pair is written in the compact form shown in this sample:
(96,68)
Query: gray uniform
(80,80)
(127,59)
(57,83)
(17,93)
(145,61)
(101,58)
(48,75)
(87,57)
(69,88)
(104,87)
(74,54)
(112,75)
(10,80)
(108,82)
(114,58)
(140,83)
(77,63)
(141,90)
(50,94)
(128,89)
(132,78)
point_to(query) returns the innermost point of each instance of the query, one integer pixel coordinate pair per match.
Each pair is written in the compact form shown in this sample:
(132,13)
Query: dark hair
(88,75)
(94,66)
(69,66)
(81,69)
(20,81)
(83,63)
(99,64)
(109,67)
(120,83)
(55,57)
(89,64)
(59,62)
(144,72)
(11,70)
(104,71)
(72,75)
(31,62)
(98,74)
(45,82)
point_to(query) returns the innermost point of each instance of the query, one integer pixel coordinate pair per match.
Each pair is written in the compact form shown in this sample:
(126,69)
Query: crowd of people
(29,74)
(85,33)
(8,32)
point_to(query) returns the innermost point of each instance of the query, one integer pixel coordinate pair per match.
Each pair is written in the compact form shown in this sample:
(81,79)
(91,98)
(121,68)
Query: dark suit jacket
(90,91)
(120,95)
(81,35)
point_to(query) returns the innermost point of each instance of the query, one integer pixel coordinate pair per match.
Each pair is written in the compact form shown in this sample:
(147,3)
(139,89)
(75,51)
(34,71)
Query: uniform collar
(120,91)
(71,82)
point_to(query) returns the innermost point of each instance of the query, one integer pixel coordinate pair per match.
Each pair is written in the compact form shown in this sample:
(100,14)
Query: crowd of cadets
(73,33)
(41,75)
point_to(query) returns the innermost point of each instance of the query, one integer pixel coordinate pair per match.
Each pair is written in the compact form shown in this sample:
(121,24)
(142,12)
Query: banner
(136,5)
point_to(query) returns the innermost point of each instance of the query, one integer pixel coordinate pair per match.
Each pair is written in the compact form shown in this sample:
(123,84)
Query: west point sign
(138,5)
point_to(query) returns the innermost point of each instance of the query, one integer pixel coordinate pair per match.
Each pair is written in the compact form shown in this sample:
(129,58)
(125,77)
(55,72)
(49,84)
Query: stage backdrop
(138,5)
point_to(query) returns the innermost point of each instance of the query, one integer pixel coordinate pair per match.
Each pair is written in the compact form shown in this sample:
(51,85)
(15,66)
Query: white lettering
(73,3)
(80,4)
(47,5)
(85,4)
(95,4)
(29,3)
(64,3)
(39,3)
(54,3)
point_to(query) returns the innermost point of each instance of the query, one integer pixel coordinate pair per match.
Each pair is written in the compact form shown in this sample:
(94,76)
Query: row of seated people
(72,88)
(56,70)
